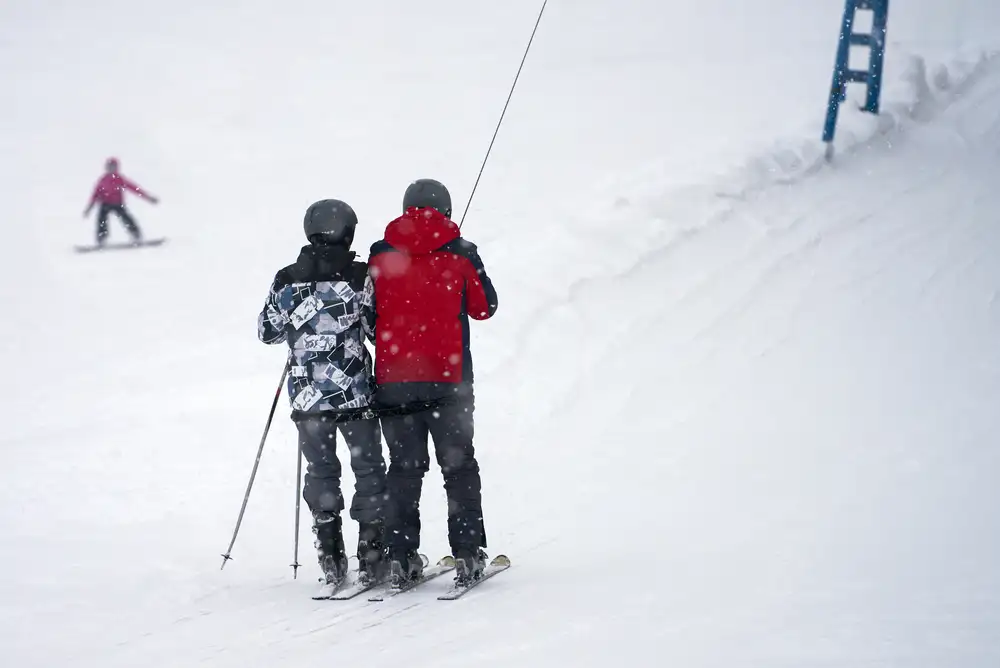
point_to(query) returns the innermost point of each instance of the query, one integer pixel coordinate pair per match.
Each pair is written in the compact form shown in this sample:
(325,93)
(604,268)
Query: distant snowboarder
(109,193)
(425,281)
(315,306)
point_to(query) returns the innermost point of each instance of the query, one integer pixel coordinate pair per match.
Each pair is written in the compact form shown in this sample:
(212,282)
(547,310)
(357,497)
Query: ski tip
(425,560)
(500,560)
(447,560)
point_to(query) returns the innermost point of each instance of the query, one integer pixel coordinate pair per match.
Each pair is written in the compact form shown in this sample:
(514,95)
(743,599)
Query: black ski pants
(322,492)
(451,426)
(119,210)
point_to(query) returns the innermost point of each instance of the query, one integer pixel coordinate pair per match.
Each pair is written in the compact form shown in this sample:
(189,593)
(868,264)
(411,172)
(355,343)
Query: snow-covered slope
(737,407)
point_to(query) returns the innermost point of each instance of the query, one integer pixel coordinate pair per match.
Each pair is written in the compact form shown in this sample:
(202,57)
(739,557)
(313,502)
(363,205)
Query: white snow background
(738,408)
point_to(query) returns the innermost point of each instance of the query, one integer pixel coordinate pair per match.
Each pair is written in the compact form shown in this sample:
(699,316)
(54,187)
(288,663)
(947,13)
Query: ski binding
(498,565)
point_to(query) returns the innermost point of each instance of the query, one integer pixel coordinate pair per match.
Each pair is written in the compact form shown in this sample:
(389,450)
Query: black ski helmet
(424,193)
(330,222)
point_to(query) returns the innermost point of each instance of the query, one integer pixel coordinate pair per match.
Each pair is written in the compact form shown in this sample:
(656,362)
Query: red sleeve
(134,188)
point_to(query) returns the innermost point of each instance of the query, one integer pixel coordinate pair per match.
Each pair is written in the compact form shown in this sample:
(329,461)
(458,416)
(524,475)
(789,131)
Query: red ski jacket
(425,281)
(111,190)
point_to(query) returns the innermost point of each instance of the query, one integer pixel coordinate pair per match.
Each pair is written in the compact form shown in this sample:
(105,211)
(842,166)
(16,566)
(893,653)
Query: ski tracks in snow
(705,261)
(740,268)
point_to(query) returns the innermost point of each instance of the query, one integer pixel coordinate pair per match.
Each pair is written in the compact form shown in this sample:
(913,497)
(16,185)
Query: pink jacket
(111,190)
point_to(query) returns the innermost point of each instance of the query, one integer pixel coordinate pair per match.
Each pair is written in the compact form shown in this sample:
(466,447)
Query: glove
(153,200)
(86,212)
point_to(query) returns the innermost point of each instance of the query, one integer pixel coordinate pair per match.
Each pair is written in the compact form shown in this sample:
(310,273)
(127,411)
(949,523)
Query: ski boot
(372,556)
(404,568)
(330,547)
(469,565)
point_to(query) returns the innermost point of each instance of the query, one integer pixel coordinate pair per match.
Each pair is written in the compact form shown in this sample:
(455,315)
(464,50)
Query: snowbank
(917,89)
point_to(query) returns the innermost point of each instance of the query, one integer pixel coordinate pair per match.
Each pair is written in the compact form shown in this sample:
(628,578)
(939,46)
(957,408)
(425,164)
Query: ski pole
(298,514)
(256,463)
(503,113)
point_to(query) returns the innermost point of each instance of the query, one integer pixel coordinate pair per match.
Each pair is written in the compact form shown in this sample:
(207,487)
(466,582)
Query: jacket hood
(421,231)
(322,260)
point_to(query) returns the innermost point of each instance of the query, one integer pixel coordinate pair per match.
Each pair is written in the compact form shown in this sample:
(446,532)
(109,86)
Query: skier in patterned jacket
(315,306)
(426,281)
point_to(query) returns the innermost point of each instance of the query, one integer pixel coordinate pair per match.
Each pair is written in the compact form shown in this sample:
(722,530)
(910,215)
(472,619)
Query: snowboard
(122,245)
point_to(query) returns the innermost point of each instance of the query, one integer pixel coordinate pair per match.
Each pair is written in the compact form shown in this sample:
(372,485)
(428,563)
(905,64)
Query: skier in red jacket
(109,193)
(425,281)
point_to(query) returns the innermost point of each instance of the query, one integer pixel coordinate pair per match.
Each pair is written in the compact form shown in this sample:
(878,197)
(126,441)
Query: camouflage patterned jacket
(315,306)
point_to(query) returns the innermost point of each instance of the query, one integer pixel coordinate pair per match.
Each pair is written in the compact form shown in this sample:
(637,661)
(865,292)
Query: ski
(329,589)
(347,590)
(444,565)
(356,589)
(499,564)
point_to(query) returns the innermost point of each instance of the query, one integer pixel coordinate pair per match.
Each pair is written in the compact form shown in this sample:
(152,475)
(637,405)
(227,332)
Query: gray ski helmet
(330,222)
(424,193)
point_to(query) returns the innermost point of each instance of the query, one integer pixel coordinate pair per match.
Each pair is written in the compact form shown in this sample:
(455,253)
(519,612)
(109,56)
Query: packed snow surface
(738,406)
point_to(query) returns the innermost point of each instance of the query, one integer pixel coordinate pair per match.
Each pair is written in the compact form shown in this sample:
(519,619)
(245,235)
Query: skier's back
(315,306)
(426,281)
